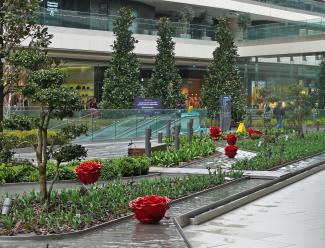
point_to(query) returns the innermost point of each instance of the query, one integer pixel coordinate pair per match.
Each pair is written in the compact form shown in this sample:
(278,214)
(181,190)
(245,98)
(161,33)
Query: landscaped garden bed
(202,146)
(72,210)
(275,150)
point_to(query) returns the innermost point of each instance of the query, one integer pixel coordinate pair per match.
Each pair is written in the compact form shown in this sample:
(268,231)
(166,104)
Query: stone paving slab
(196,171)
(291,217)
(220,160)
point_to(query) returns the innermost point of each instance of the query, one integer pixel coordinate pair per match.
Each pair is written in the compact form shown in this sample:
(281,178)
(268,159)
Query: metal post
(92,128)
(160,137)
(190,131)
(168,127)
(115,129)
(176,139)
(250,119)
(317,125)
(147,142)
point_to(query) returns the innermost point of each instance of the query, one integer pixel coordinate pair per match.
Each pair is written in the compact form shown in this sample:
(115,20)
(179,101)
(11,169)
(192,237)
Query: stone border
(109,223)
(232,205)
(154,174)
(294,161)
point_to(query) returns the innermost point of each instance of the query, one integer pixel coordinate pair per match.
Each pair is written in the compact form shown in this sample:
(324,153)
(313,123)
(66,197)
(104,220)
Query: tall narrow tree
(18,22)
(166,81)
(223,76)
(122,83)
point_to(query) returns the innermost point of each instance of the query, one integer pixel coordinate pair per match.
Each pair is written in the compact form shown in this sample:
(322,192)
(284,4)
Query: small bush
(124,167)
(21,137)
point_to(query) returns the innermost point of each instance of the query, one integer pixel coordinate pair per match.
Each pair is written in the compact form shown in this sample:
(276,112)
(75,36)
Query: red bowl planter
(150,209)
(254,134)
(88,178)
(231,151)
(231,139)
(215,132)
(88,172)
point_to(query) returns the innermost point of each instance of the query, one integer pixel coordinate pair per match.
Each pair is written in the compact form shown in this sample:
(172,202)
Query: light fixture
(6,206)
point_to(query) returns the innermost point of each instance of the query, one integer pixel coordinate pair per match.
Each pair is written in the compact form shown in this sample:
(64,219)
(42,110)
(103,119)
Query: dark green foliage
(70,210)
(44,88)
(20,122)
(201,146)
(166,82)
(69,153)
(18,23)
(73,131)
(321,103)
(124,167)
(6,153)
(300,106)
(281,151)
(34,61)
(122,83)
(223,76)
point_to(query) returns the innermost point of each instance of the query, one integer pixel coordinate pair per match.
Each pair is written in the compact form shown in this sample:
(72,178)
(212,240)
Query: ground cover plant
(74,209)
(201,146)
(275,150)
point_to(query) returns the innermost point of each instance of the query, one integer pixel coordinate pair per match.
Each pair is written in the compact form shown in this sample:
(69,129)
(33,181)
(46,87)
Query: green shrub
(21,137)
(281,151)
(124,167)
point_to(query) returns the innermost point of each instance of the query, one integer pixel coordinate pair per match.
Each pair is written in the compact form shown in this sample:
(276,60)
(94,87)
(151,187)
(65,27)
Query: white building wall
(82,40)
(251,7)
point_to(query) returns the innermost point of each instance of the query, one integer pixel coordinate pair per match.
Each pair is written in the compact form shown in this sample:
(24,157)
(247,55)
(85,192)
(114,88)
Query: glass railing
(291,29)
(83,20)
(305,5)
(108,124)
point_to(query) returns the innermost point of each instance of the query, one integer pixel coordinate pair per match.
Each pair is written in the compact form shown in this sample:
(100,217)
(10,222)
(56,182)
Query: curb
(216,209)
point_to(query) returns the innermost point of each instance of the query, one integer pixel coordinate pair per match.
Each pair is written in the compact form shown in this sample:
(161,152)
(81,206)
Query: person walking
(279,114)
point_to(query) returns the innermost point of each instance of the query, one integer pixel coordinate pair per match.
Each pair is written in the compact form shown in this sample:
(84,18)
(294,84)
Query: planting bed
(70,210)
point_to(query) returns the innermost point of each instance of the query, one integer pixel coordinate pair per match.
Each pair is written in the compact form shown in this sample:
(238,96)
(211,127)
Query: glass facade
(275,74)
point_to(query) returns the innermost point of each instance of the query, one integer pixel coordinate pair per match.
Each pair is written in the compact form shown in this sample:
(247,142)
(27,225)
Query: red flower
(254,134)
(215,132)
(231,151)
(88,172)
(150,209)
(231,139)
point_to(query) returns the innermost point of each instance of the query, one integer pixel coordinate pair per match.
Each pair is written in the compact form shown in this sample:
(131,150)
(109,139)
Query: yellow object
(241,128)
(190,108)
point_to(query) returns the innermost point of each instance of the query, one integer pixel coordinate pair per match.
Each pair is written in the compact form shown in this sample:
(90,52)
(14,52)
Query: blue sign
(147,103)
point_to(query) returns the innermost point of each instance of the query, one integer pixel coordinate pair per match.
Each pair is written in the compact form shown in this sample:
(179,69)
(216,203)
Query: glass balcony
(305,5)
(291,29)
(75,19)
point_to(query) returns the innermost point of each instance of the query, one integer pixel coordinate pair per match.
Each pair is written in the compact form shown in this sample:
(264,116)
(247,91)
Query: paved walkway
(293,217)
(96,150)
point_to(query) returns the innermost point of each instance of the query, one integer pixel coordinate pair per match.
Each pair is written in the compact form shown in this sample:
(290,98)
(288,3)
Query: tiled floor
(293,217)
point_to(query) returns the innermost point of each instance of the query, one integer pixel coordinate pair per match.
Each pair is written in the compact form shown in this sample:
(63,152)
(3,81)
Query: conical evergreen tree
(122,84)
(166,81)
(223,76)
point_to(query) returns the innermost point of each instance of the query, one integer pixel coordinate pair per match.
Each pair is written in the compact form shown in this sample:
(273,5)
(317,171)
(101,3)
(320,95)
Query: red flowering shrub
(88,172)
(254,134)
(150,209)
(231,139)
(231,151)
(215,132)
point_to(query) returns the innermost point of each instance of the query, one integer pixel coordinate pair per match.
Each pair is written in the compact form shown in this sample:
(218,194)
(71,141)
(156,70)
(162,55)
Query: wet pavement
(130,233)
(293,217)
